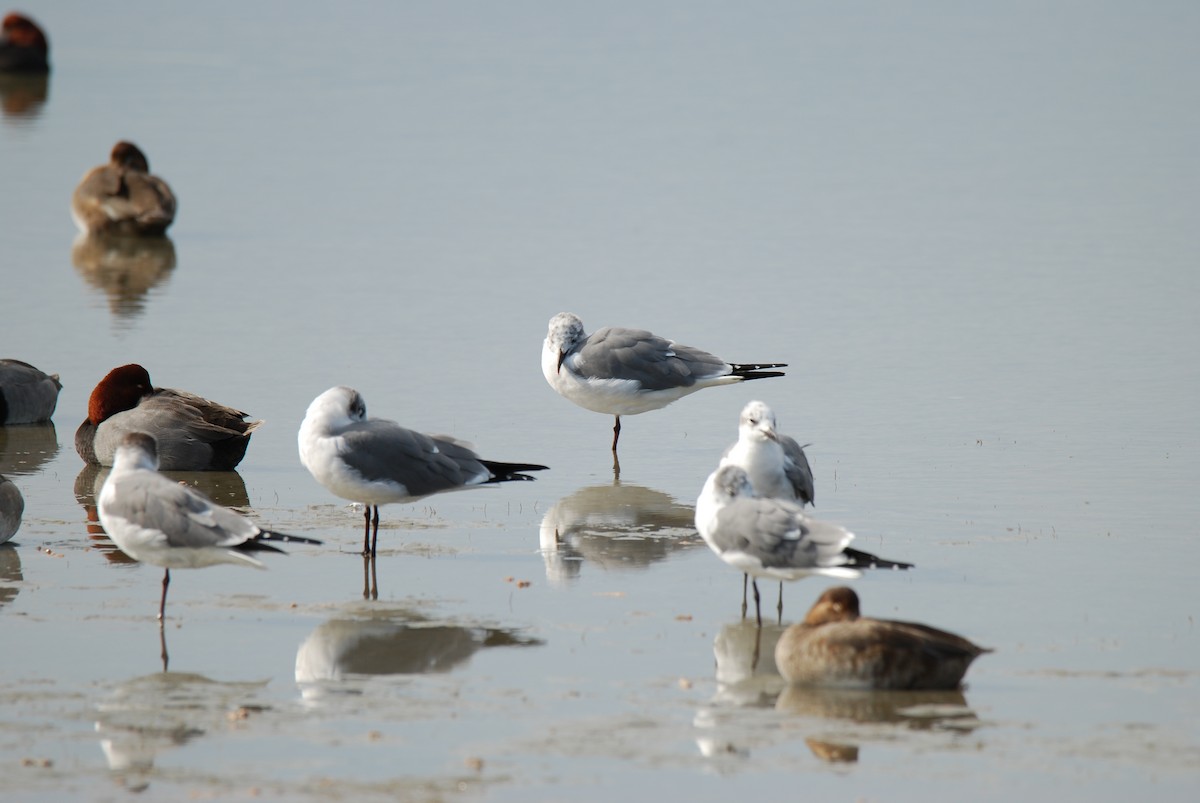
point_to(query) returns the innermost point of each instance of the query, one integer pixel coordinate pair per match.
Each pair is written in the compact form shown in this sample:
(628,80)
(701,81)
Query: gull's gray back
(655,362)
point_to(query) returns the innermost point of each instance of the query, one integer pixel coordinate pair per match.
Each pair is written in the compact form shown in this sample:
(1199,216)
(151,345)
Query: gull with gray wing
(775,463)
(621,371)
(375,461)
(774,538)
(157,521)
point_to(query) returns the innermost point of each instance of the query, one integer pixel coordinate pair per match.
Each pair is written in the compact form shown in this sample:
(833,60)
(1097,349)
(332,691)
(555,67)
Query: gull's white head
(566,332)
(730,482)
(137,450)
(337,406)
(757,422)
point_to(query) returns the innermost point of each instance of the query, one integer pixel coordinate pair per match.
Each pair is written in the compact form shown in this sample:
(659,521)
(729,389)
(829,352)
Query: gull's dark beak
(562,355)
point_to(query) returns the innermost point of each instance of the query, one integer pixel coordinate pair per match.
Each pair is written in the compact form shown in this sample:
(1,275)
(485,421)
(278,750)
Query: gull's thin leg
(374,531)
(366,577)
(616,432)
(745,587)
(757,650)
(162,603)
(779,607)
(374,581)
(366,530)
(757,606)
(616,467)
(162,642)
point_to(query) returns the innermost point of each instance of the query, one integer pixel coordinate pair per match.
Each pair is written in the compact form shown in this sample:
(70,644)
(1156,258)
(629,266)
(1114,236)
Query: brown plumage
(835,646)
(23,46)
(122,197)
(192,433)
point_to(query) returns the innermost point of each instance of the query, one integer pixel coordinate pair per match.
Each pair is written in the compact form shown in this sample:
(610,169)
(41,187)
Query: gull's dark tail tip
(857,559)
(508,472)
(256,544)
(758,370)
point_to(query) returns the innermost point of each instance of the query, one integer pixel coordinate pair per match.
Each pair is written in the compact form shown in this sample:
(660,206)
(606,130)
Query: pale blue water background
(970,231)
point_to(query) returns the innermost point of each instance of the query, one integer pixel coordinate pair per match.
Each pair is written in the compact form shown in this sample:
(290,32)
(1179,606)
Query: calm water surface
(971,234)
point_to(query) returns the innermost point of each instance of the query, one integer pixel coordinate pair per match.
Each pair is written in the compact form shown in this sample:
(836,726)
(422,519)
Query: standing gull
(629,371)
(163,523)
(774,538)
(776,465)
(375,461)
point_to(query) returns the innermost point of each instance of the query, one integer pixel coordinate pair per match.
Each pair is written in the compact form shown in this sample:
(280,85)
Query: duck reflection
(915,710)
(25,448)
(147,715)
(389,642)
(124,268)
(223,487)
(617,526)
(10,573)
(22,96)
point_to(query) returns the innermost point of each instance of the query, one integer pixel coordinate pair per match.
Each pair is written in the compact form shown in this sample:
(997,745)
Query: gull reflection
(746,679)
(223,487)
(147,715)
(389,642)
(617,526)
(124,268)
(22,96)
(10,573)
(25,448)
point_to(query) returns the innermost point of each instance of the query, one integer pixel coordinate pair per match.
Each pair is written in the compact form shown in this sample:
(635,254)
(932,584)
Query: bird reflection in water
(26,448)
(226,488)
(147,715)
(746,679)
(389,642)
(10,573)
(616,526)
(945,711)
(22,97)
(125,269)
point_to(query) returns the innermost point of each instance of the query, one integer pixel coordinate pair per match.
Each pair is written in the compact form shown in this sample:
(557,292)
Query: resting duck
(121,197)
(23,46)
(12,505)
(27,395)
(834,646)
(192,433)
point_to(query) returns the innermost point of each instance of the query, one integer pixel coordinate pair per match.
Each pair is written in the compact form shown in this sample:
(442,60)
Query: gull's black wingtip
(759,370)
(506,472)
(857,559)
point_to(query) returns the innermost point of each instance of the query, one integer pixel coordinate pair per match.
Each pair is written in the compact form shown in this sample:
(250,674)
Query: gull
(775,463)
(163,523)
(835,646)
(774,538)
(629,371)
(375,461)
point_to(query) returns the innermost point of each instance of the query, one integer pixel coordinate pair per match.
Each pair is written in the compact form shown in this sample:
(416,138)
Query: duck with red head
(192,433)
(837,647)
(122,197)
(23,46)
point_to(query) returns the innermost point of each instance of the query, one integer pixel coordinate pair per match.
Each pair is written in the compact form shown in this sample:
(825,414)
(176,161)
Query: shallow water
(970,233)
